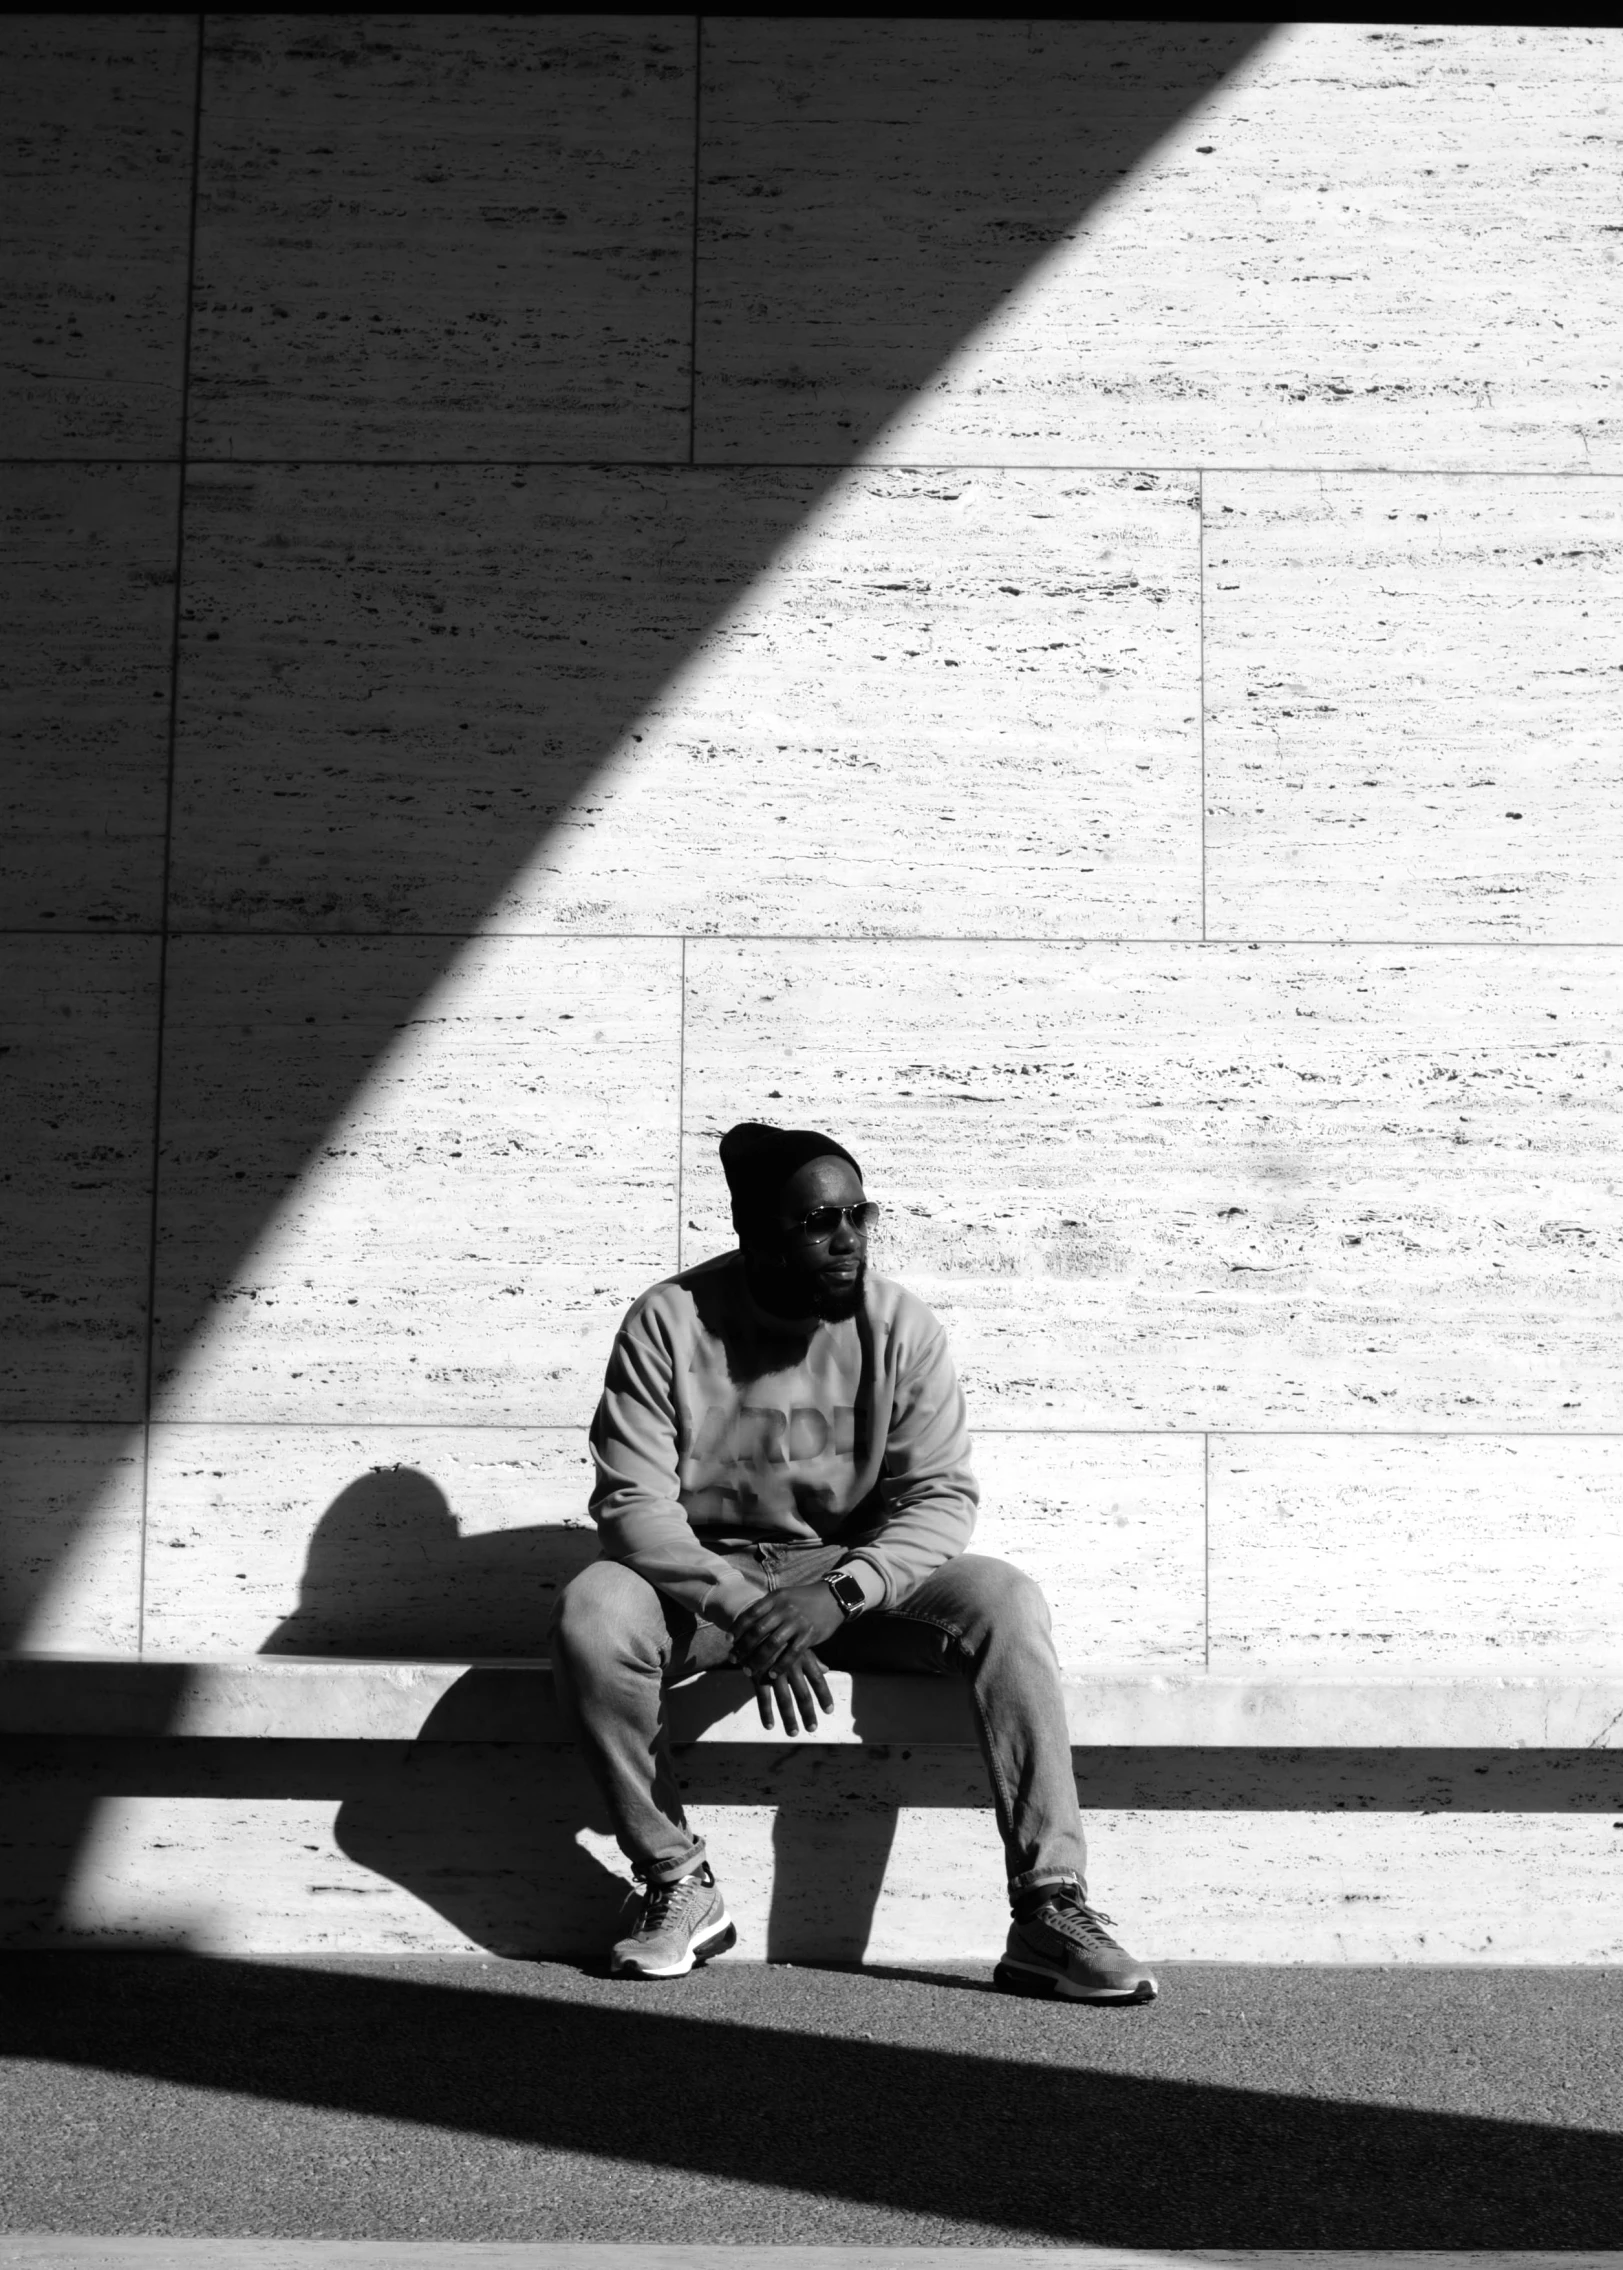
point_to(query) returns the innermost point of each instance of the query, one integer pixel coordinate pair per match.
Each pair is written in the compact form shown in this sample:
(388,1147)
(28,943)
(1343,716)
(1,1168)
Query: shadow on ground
(1044,2139)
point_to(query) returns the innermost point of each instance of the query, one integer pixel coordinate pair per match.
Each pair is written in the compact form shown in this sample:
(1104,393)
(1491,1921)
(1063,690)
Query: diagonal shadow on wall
(409,734)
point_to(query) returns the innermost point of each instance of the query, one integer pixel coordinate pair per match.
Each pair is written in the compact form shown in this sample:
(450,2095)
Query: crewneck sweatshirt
(722,1426)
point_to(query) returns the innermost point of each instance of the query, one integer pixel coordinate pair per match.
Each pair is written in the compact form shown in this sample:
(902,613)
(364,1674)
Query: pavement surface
(51,2251)
(454,2099)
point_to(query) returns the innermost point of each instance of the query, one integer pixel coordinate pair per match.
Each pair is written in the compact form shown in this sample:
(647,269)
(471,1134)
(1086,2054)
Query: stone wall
(1042,596)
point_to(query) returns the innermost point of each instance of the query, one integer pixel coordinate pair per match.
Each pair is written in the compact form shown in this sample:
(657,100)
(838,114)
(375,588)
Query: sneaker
(1064,1950)
(681,1923)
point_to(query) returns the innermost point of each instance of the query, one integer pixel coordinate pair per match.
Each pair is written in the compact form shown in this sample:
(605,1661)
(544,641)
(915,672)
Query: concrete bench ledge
(294,1698)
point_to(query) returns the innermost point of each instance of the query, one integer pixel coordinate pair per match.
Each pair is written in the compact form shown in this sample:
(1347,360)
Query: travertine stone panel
(392,1194)
(397,682)
(954,703)
(445,235)
(582,700)
(1364,1887)
(88,595)
(1335,1553)
(453,1542)
(372,1849)
(398,1542)
(78,1039)
(1414,707)
(1377,245)
(70,1542)
(96,113)
(1206,1186)
(1111,1526)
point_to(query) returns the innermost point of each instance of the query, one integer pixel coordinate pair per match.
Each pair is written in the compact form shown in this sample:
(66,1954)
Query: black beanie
(759,1160)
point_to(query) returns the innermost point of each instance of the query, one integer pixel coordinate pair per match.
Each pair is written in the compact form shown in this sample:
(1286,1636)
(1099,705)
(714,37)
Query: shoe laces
(1073,1919)
(667,1894)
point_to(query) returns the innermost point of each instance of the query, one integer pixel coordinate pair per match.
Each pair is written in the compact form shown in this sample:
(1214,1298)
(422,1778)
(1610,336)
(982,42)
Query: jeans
(617,1643)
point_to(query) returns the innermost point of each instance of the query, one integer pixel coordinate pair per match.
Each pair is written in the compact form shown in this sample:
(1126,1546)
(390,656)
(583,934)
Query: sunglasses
(823,1221)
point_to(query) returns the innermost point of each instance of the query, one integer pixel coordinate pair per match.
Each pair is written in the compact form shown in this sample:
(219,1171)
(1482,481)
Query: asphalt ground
(453,2099)
(46,2250)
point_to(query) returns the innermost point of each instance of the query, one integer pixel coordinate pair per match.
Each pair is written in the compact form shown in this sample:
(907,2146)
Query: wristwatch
(846,1591)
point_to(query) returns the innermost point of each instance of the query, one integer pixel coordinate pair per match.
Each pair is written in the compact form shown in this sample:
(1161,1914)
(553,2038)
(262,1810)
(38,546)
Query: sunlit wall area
(1041,596)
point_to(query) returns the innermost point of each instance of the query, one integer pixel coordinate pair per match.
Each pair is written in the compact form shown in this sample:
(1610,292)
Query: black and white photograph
(811,1142)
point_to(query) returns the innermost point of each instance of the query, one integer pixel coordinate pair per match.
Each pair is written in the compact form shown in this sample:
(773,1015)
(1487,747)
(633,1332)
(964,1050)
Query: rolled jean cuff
(668,1871)
(1029,1879)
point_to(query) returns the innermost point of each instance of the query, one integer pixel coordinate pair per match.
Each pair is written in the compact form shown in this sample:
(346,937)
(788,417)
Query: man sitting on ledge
(783,1483)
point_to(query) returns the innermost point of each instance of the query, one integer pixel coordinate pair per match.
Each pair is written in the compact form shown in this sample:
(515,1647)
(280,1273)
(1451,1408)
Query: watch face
(846,1591)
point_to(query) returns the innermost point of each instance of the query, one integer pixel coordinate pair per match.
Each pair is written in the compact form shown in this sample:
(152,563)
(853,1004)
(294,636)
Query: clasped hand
(774,1639)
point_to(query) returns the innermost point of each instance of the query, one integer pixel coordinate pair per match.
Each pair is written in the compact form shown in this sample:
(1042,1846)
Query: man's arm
(926,1482)
(635,1499)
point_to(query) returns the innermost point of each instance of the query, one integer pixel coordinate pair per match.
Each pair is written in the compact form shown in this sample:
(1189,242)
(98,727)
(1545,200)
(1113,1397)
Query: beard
(790,1289)
(835,1304)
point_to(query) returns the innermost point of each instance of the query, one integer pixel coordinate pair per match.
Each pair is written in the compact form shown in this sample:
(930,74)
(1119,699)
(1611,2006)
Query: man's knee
(607,1611)
(1006,1598)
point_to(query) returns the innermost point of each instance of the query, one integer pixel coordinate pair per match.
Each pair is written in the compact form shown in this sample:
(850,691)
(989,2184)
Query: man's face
(819,1275)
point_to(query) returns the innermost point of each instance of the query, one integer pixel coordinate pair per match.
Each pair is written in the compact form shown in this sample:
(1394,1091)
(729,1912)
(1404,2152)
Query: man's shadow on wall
(487,1817)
